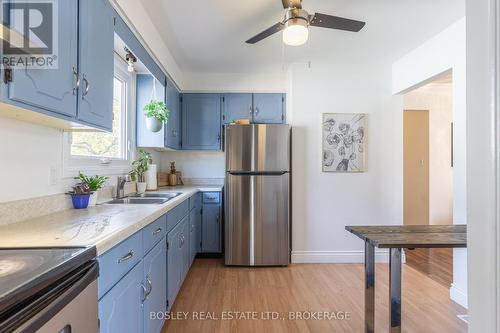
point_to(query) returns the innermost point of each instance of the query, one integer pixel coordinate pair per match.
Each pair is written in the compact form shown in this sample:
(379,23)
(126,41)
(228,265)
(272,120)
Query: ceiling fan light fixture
(296,32)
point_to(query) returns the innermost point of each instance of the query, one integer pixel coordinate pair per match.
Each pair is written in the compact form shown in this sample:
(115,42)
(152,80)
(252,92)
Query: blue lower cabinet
(155,282)
(174,263)
(121,309)
(211,228)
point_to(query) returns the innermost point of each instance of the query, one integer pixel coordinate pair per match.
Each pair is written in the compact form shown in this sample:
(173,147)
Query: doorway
(428,170)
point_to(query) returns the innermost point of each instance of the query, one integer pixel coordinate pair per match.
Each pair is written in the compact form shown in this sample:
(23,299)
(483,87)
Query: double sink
(144,199)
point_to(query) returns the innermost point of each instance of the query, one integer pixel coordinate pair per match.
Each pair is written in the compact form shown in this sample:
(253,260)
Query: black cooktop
(25,272)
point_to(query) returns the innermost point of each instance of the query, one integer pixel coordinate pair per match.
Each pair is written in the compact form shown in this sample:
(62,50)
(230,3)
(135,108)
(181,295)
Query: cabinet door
(174,264)
(173,130)
(155,280)
(144,94)
(96,56)
(185,251)
(236,106)
(198,230)
(269,108)
(193,241)
(211,229)
(52,89)
(120,310)
(201,122)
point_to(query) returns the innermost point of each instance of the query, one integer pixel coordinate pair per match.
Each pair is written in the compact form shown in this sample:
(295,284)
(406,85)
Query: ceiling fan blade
(292,4)
(335,22)
(266,33)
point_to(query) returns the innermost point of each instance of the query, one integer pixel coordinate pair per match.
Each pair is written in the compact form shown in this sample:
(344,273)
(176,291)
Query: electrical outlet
(52,175)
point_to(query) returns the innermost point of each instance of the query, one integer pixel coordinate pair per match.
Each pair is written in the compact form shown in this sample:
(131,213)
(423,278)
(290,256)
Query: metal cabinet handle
(250,111)
(87,86)
(77,81)
(157,231)
(144,293)
(257,111)
(150,286)
(218,137)
(126,257)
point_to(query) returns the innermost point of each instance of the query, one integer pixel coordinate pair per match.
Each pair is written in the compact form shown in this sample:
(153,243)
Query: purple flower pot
(80,201)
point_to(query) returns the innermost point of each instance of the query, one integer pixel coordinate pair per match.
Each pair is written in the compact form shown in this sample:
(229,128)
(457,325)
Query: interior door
(53,89)
(416,167)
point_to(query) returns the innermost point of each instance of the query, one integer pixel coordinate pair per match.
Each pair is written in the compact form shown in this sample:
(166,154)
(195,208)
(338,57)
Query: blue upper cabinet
(236,106)
(51,91)
(201,122)
(268,108)
(173,129)
(95,100)
(146,91)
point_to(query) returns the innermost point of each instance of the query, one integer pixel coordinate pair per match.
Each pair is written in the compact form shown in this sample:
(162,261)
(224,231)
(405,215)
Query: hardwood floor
(435,263)
(212,287)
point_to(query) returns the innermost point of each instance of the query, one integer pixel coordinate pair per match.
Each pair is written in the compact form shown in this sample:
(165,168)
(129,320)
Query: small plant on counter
(80,196)
(157,114)
(94,183)
(139,168)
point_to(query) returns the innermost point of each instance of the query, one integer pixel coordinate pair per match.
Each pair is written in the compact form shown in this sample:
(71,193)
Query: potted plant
(80,196)
(139,168)
(95,184)
(157,114)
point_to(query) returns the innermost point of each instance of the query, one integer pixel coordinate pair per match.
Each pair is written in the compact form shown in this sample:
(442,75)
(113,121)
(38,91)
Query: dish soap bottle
(172,177)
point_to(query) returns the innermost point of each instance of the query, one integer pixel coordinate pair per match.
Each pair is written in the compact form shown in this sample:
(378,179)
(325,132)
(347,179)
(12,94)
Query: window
(106,153)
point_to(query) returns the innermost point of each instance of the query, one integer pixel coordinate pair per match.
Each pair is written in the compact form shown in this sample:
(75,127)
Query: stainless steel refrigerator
(257,198)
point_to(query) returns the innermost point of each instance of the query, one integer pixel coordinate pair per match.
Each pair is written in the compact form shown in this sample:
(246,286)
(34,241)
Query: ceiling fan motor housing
(295,16)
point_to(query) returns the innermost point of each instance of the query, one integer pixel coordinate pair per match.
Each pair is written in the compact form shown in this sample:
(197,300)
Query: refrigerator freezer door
(257,220)
(257,148)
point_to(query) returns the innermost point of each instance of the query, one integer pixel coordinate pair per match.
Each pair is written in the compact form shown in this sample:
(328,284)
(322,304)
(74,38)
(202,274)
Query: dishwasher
(48,290)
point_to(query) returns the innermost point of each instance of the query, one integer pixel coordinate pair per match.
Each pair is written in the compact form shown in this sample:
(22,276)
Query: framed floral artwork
(344,142)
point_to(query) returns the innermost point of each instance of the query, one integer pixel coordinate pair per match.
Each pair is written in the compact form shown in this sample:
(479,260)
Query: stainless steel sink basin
(137,201)
(156,195)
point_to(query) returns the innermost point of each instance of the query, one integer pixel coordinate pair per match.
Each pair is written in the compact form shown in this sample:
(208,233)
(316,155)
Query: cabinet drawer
(211,197)
(176,215)
(118,261)
(195,201)
(153,233)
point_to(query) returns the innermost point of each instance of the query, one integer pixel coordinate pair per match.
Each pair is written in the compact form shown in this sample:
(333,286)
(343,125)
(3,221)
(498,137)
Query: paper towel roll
(151,180)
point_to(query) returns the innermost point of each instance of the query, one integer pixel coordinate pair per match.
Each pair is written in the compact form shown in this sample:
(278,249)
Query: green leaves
(93,183)
(158,110)
(140,165)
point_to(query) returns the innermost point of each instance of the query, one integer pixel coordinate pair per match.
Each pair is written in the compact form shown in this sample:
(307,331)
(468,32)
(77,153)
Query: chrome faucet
(120,186)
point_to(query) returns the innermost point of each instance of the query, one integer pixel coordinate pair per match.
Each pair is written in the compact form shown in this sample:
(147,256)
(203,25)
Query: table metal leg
(395,289)
(369,288)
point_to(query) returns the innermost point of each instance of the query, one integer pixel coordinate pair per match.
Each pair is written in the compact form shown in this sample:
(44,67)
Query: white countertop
(103,226)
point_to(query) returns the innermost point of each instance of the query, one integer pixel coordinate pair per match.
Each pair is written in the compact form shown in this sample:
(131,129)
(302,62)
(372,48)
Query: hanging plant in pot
(139,168)
(157,114)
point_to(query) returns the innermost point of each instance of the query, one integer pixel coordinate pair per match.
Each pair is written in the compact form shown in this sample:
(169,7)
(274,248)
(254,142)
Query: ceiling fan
(295,24)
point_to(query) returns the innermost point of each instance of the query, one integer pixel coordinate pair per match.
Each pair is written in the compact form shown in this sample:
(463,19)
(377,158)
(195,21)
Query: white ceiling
(209,36)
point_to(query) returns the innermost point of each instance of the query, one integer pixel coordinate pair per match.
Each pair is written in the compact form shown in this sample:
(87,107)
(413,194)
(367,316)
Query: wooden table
(396,238)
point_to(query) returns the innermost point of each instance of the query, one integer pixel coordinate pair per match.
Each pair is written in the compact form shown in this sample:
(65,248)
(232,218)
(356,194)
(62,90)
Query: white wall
(438,100)
(483,112)
(446,51)
(195,164)
(236,82)
(324,203)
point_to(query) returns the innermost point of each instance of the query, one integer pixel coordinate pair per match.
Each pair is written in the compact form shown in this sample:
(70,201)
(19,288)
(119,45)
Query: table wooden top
(414,236)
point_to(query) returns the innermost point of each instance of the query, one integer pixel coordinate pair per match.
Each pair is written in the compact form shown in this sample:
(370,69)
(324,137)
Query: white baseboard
(337,257)
(458,296)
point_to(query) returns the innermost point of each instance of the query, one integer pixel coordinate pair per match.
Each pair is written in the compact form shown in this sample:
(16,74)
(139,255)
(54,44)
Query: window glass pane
(104,145)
